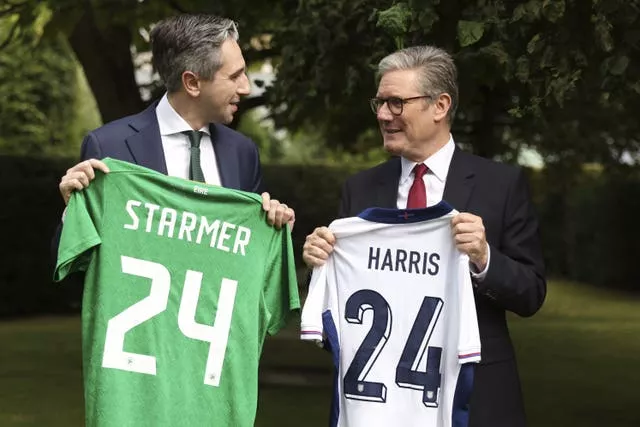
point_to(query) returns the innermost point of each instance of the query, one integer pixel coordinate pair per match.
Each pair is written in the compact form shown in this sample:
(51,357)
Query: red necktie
(418,192)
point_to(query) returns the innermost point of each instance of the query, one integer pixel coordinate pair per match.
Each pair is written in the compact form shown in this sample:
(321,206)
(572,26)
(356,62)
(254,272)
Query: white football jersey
(394,304)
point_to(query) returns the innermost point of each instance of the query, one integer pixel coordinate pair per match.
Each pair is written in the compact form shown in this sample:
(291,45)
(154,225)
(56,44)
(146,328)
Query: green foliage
(263,134)
(395,22)
(552,75)
(38,86)
(325,73)
(557,76)
(588,223)
(469,32)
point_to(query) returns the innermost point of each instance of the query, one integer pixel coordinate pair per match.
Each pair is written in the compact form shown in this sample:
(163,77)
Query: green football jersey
(183,282)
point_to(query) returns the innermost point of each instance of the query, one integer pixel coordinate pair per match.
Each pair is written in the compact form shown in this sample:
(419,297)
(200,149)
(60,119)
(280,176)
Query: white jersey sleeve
(394,304)
(469,335)
(311,328)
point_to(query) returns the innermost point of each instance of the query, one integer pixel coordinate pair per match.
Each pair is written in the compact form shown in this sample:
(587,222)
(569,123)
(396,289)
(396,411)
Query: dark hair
(189,43)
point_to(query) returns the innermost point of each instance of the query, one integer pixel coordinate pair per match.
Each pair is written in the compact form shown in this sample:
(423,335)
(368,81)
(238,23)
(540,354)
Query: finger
(477,237)
(80,176)
(280,216)
(87,167)
(69,186)
(325,234)
(467,227)
(84,168)
(100,165)
(315,252)
(266,201)
(312,261)
(272,211)
(73,181)
(317,245)
(288,216)
(464,217)
(72,184)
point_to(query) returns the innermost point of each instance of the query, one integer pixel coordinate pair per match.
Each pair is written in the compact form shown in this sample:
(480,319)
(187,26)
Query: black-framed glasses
(395,104)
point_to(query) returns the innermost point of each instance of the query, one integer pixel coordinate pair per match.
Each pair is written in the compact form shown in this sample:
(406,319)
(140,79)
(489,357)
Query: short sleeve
(281,288)
(81,230)
(468,334)
(311,325)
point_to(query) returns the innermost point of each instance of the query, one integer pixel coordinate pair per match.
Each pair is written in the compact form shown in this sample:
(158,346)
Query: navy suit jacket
(136,139)
(515,280)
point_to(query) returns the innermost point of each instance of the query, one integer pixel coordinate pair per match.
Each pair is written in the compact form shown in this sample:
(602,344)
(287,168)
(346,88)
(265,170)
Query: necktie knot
(419,170)
(194,137)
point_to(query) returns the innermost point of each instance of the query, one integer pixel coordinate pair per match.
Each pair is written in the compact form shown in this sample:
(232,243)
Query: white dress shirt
(177,147)
(434,180)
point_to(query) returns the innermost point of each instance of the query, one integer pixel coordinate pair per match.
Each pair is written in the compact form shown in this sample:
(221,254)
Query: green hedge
(588,227)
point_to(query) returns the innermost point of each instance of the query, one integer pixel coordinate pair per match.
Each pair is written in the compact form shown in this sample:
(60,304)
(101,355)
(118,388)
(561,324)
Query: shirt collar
(438,163)
(170,122)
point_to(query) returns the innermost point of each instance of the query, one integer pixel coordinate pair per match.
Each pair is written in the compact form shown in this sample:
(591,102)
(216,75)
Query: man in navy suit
(200,62)
(497,227)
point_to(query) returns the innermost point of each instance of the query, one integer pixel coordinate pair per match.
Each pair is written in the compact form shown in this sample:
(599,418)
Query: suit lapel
(146,145)
(460,181)
(226,160)
(386,192)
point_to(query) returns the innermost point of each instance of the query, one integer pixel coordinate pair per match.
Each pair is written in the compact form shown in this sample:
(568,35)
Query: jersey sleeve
(468,334)
(311,328)
(281,291)
(80,230)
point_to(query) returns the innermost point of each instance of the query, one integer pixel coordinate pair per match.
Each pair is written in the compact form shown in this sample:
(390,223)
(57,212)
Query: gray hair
(437,71)
(189,43)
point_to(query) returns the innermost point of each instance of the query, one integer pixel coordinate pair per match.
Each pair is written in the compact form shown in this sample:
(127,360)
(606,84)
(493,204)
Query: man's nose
(244,88)
(384,114)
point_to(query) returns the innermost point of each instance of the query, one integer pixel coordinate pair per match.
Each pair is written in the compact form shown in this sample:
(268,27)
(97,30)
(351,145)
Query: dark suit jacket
(136,139)
(515,281)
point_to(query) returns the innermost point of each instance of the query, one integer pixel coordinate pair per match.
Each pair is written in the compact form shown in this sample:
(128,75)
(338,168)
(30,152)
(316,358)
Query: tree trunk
(105,55)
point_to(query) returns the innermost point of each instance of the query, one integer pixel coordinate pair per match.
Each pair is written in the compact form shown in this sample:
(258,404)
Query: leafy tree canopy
(559,76)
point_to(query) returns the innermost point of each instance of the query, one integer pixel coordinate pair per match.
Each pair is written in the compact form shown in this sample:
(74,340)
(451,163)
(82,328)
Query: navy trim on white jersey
(462,397)
(333,342)
(405,216)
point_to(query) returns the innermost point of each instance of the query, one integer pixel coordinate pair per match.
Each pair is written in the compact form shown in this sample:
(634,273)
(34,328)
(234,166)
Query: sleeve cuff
(480,275)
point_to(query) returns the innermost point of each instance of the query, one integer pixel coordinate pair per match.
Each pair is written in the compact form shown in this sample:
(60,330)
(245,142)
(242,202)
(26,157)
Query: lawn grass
(577,357)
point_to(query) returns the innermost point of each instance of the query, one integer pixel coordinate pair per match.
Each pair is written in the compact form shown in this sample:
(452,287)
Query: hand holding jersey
(415,105)
(399,272)
(467,230)
(183,281)
(80,176)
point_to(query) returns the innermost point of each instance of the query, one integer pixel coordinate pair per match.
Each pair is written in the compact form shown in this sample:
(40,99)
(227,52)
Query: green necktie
(195,171)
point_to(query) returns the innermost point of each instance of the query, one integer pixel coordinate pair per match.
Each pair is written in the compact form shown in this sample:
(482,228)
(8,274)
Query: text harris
(400,260)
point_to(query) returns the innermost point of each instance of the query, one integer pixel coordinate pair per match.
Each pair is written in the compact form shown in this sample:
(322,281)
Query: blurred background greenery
(553,85)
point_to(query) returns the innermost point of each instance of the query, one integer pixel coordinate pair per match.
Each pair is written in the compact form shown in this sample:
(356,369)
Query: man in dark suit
(184,134)
(497,227)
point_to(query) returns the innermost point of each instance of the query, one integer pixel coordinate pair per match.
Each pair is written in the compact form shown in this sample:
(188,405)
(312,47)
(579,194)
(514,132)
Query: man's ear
(442,104)
(191,83)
